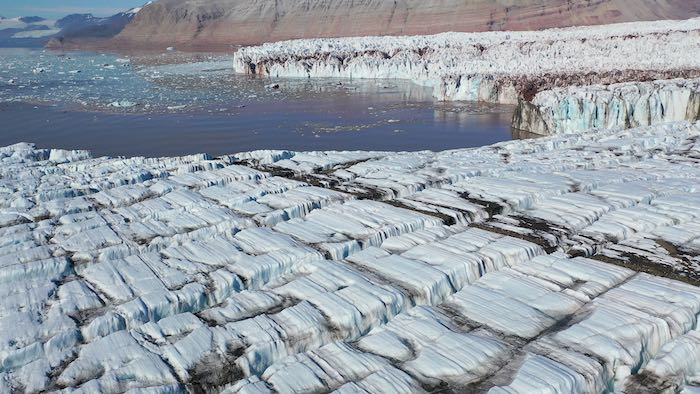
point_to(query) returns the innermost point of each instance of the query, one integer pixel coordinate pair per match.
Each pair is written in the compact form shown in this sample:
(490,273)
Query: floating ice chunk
(123,104)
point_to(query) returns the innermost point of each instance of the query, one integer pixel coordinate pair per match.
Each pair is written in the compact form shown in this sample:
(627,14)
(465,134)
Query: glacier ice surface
(561,264)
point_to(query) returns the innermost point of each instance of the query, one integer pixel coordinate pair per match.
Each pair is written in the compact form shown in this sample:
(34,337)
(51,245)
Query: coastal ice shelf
(567,264)
(556,72)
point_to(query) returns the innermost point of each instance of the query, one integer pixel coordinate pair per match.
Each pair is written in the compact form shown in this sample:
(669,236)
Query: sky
(54,9)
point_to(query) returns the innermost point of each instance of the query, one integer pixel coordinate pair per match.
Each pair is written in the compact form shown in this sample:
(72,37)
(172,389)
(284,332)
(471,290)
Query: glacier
(554,72)
(631,104)
(564,264)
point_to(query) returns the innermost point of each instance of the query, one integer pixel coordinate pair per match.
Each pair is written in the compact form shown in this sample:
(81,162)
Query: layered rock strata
(218,24)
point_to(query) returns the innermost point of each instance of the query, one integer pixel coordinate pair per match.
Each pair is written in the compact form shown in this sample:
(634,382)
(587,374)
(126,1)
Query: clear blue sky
(59,8)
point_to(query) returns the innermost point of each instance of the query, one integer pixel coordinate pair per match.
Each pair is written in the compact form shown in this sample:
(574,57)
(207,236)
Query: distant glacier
(515,67)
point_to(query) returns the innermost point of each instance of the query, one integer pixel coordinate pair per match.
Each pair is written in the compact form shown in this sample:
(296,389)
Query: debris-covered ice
(561,264)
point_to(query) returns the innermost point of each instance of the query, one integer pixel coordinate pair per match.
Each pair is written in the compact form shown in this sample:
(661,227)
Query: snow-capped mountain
(28,27)
(37,31)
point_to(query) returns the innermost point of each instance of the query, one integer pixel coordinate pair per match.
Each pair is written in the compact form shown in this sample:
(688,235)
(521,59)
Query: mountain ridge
(222,23)
(37,31)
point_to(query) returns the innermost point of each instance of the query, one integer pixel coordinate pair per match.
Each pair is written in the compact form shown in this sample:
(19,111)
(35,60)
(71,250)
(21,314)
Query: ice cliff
(565,264)
(572,109)
(503,67)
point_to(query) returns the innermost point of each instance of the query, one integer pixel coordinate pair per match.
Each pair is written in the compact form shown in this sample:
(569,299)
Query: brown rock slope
(221,23)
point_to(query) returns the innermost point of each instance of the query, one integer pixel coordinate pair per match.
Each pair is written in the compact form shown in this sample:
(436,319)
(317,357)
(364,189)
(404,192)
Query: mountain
(26,30)
(221,23)
(78,29)
(32,31)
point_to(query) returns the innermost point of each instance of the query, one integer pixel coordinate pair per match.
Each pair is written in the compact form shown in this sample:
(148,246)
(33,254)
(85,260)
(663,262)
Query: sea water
(154,104)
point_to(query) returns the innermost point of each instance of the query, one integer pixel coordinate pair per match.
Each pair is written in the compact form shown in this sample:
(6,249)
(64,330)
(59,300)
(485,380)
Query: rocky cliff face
(222,23)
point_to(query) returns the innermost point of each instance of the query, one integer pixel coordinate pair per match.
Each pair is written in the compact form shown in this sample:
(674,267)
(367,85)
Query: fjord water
(161,104)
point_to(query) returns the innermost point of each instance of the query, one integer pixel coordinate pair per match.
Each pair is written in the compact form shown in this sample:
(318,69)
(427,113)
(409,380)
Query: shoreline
(118,46)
